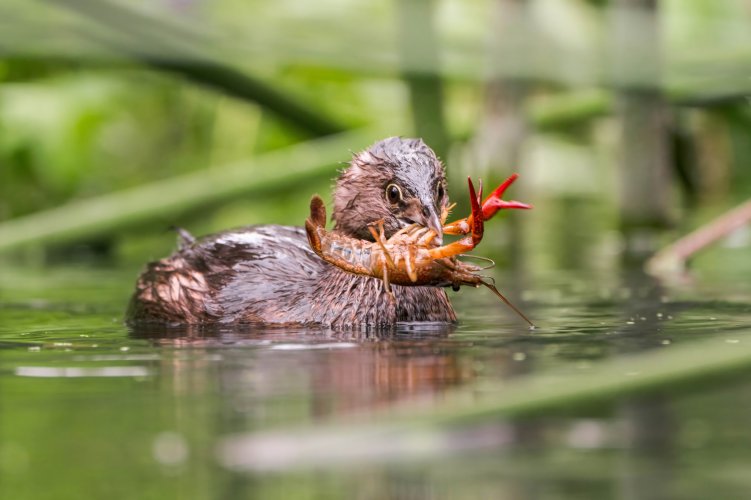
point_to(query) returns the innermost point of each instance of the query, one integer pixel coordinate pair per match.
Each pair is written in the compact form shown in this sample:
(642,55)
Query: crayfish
(411,257)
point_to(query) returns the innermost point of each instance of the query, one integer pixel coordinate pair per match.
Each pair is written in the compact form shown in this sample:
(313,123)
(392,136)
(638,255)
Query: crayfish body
(410,257)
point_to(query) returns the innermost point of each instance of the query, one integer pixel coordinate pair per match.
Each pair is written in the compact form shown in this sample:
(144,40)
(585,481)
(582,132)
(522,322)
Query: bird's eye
(439,191)
(393,193)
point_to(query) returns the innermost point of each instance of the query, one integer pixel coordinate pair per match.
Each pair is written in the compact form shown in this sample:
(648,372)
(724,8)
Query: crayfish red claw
(492,204)
(474,230)
(477,218)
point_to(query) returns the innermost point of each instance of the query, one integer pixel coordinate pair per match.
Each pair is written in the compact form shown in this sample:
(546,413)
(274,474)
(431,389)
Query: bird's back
(269,274)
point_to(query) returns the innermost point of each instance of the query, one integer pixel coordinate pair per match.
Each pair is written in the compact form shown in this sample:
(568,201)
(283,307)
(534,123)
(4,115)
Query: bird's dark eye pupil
(440,191)
(393,193)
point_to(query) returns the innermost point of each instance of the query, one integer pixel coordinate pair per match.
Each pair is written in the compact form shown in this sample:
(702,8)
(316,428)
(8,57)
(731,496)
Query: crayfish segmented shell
(407,258)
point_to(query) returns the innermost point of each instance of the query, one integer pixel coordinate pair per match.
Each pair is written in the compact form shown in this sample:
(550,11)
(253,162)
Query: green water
(92,409)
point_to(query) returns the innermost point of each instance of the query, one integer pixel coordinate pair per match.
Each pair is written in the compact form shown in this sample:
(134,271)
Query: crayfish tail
(314,240)
(317,211)
(316,221)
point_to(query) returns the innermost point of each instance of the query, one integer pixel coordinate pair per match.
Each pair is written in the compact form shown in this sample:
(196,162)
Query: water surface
(94,409)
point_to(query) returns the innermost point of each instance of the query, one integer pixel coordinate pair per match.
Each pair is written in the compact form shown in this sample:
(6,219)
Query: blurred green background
(629,122)
(120,119)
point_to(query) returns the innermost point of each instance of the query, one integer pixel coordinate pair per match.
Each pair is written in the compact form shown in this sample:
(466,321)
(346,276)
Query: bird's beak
(433,221)
(424,214)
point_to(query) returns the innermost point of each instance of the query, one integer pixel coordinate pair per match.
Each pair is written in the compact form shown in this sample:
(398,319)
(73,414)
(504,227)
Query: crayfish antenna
(491,262)
(508,303)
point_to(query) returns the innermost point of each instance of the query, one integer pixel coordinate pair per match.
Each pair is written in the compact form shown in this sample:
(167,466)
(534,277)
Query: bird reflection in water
(336,372)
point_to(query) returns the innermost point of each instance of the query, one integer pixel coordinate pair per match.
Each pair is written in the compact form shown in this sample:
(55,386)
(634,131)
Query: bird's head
(398,180)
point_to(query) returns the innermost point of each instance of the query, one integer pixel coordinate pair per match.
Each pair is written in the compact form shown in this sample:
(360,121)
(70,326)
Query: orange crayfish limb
(457,227)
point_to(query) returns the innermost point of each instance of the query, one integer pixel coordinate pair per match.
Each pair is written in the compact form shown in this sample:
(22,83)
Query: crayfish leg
(448,263)
(386,284)
(427,238)
(409,263)
(445,213)
(380,239)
